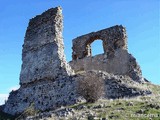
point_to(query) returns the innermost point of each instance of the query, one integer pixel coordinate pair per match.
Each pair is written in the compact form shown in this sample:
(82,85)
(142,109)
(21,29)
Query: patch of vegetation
(81,105)
(30,111)
(91,88)
(137,108)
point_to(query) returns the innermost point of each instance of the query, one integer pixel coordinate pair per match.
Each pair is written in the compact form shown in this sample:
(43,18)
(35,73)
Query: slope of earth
(136,108)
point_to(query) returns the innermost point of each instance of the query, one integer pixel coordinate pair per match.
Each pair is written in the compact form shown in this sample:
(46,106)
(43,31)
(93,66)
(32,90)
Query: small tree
(91,87)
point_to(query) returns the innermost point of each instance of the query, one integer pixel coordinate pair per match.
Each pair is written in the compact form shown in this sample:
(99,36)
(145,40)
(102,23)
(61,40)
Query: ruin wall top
(42,29)
(113,38)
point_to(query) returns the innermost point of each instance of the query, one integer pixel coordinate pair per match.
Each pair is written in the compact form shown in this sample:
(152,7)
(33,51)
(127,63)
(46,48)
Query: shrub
(91,87)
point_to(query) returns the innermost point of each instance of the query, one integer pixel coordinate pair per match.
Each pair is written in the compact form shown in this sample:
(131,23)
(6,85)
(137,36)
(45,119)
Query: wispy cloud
(3,97)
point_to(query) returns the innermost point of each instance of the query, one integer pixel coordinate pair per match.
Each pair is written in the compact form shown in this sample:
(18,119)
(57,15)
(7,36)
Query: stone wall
(43,50)
(113,38)
(44,95)
(115,59)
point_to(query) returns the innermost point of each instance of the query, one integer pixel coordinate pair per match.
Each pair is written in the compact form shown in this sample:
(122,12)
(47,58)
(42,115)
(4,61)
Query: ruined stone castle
(48,81)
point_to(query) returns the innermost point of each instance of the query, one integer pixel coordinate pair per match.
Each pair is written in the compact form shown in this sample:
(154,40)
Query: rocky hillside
(136,108)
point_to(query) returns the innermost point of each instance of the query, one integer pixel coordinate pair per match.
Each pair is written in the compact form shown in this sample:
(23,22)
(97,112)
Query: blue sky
(140,17)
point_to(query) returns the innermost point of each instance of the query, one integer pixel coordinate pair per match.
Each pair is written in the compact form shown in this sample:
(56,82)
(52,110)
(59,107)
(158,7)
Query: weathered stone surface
(115,59)
(45,94)
(102,63)
(113,38)
(43,50)
(117,86)
(45,75)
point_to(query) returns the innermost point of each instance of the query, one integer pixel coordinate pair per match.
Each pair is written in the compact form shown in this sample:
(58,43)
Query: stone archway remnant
(115,59)
(113,38)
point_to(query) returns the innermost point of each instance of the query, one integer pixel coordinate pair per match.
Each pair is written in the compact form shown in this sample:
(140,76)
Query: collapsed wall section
(43,49)
(115,59)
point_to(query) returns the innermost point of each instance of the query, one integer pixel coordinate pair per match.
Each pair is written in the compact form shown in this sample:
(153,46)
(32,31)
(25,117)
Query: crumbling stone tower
(43,50)
(45,76)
